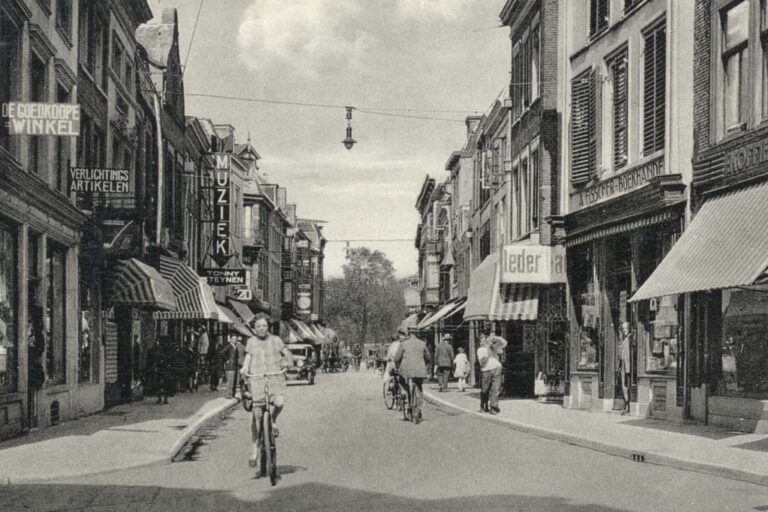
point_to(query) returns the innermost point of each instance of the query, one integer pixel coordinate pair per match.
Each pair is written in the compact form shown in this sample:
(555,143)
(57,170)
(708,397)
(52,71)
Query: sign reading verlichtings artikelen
(106,181)
(62,119)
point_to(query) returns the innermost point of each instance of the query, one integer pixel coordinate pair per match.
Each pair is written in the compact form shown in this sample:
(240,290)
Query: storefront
(717,270)
(613,246)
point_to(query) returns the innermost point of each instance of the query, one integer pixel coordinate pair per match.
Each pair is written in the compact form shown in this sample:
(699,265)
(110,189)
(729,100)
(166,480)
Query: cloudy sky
(440,58)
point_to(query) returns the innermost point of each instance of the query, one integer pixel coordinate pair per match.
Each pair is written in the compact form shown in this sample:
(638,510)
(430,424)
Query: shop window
(9,57)
(619,76)
(663,334)
(743,358)
(654,93)
(585,92)
(735,65)
(8,310)
(598,16)
(585,300)
(55,320)
(86,337)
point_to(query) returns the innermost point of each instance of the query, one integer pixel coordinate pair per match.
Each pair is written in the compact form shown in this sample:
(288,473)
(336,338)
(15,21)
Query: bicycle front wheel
(270,447)
(389,396)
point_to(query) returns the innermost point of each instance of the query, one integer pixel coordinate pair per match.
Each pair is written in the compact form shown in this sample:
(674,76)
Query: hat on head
(448,337)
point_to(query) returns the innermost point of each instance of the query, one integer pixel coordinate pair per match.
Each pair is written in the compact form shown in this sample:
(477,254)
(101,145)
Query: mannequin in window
(625,363)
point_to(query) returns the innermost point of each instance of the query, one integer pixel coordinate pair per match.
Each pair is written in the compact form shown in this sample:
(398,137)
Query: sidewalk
(690,447)
(125,436)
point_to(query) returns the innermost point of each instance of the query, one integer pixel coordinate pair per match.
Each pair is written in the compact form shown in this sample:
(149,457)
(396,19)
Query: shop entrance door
(619,290)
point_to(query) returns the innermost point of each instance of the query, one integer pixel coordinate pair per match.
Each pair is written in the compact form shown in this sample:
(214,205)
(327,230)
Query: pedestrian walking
(215,363)
(461,368)
(159,369)
(230,357)
(491,347)
(357,354)
(444,358)
(625,364)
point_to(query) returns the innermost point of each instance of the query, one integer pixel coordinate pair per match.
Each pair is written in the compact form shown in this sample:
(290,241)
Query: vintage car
(303,363)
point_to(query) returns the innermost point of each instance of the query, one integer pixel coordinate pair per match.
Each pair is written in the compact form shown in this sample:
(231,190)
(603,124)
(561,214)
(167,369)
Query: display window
(55,320)
(8,308)
(663,334)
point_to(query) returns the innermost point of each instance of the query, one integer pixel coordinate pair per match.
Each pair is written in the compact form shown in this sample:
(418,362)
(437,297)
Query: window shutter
(654,90)
(584,101)
(620,99)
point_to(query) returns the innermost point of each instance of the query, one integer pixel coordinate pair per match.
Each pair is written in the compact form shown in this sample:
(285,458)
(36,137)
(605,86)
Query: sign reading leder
(42,118)
(609,188)
(537,264)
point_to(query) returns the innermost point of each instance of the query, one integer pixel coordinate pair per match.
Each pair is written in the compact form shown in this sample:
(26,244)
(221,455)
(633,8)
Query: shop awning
(723,247)
(302,329)
(444,312)
(410,322)
(194,298)
(320,337)
(242,310)
(427,319)
(515,302)
(235,322)
(138,284)
(483,283)
(290,335)
(330,334)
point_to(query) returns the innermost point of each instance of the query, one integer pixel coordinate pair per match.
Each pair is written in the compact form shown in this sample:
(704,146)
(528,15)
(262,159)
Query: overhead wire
(192,38)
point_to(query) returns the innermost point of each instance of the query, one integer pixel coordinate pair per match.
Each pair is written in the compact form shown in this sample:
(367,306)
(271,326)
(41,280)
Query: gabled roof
(247,148)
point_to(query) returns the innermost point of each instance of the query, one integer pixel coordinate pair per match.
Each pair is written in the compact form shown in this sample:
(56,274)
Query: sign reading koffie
(105,181)
(62,119)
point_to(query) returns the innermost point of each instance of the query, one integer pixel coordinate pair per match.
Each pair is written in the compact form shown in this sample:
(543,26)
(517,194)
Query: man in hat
(444,357)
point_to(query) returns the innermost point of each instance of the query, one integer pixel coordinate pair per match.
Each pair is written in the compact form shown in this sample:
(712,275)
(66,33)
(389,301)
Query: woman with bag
(461,368)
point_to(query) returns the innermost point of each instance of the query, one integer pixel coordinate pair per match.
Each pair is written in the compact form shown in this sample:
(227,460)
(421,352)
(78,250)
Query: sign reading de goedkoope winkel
(62,119)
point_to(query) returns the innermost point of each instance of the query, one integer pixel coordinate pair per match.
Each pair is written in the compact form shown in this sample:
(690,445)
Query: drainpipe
(160,164)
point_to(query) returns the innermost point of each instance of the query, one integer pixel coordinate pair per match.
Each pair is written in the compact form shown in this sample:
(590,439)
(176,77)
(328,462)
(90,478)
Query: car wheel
(311,379)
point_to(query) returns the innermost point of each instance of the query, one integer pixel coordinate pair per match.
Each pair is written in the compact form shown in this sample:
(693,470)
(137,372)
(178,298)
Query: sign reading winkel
(613,187)
(41,118)
(538,264)
(106,181)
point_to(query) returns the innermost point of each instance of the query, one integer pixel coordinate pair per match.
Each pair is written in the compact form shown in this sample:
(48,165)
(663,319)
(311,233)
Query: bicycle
(412,405)
(266,435)
(393,393)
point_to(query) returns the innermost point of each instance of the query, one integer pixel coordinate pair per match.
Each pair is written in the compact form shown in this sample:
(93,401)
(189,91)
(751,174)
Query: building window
(55,319)
(37,93)
(117,56)
(735,62)
(534,199)
(619,79)
(598,16)
(764,40)
(9,59)
(64,17)
(525,78)
(9,343)
(61,165)
(522,198)
(535,62)
(485,240)
(585,90)
(93,41)
(630,4)
(654,94)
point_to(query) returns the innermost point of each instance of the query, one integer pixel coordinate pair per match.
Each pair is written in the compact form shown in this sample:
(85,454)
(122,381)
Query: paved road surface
(340,450)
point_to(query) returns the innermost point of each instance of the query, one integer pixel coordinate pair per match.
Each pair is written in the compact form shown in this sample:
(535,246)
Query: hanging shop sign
(304,302)
(538,264)
(106,181)
(627,181)
(226,276)
(61,119)
(244,294)
(222,248)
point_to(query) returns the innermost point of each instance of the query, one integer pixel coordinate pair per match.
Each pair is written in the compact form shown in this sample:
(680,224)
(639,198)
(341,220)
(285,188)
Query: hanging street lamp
(348,140)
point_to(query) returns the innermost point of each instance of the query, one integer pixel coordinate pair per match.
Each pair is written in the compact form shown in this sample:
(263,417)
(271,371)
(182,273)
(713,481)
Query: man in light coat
(491,348)
(412,359)
(444,357)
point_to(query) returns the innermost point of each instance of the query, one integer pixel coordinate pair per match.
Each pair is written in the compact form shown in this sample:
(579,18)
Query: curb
(178,445)
(609,449)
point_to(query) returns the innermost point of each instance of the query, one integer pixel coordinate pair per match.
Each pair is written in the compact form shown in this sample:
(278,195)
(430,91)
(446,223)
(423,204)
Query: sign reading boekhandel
(106,181)
(42,118)
(538,264)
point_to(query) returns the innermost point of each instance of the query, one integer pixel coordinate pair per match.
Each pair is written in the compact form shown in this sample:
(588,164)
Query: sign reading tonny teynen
(538,264)
(106,181)
(61,119)
(225,276)
(609,188)
(221,214)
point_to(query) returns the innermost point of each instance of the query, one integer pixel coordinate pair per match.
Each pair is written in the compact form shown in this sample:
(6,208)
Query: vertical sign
(221,215)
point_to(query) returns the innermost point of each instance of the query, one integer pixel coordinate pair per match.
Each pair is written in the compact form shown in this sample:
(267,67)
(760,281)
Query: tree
(366,305)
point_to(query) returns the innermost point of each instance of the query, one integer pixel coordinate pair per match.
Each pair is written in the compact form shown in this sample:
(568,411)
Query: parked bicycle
(265,436)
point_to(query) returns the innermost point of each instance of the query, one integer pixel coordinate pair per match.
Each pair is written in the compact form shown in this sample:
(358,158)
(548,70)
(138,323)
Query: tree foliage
(367,304)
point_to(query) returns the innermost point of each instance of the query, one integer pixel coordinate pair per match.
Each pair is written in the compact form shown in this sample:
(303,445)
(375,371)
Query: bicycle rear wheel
(389,396)
(270,447)
(415,406)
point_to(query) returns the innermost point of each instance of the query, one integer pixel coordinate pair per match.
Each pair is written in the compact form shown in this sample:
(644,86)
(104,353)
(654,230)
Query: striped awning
(580,237)
(320,337)
(301,328)
(483,283)
(724,246)
(410,322)
(242,310)
(235,322)
(449,309)
(515,302)
(194,298)
(137,284)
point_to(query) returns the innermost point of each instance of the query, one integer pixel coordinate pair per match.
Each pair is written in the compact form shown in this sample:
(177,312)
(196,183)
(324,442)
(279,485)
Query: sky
(443,59)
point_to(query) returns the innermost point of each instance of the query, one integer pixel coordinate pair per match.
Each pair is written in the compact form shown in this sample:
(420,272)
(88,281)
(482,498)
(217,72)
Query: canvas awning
(483,283)
(194,298)
(320,337)
(302,329)
(723,247)
(290,334)
(448,310)
(515,302)
(235,322)
(137,284)
(242,310)
(410,322)
(427,319)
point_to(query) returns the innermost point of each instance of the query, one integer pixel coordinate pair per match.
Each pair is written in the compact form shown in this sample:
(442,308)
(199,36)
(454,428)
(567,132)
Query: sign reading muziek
(61,119)
(226,276)
(106,181)
(221,209)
